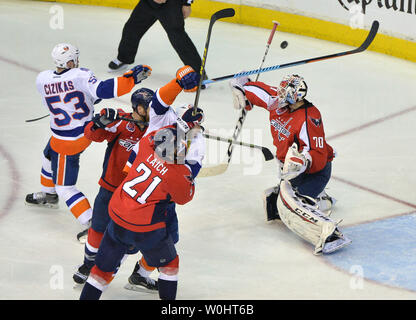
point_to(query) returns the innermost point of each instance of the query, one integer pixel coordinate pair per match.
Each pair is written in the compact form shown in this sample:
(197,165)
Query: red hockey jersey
(303,126)
(121,138)
(139,203)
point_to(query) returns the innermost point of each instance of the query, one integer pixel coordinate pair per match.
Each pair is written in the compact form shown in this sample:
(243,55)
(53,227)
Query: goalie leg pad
(303,218)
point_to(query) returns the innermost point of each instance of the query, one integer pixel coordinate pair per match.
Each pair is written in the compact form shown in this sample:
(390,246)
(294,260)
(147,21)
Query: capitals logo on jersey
(316,122)
(280,127)
(131,127)
(128,144)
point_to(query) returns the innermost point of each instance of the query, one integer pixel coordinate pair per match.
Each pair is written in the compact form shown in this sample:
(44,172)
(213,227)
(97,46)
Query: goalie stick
(372,34)
(268,155)
(242,117)
(224,13)
(221,168)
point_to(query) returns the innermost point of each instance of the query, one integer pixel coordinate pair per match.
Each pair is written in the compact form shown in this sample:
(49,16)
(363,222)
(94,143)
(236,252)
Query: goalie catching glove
(239,97)
(295,163)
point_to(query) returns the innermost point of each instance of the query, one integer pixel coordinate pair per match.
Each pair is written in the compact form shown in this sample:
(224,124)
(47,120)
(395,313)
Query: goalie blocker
(302,216)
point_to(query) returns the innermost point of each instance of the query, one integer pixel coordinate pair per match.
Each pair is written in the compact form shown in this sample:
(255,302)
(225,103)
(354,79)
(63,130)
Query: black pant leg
(171,18)
(141,19)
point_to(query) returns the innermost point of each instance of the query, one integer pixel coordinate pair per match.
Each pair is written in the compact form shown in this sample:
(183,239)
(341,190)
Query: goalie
(304,157)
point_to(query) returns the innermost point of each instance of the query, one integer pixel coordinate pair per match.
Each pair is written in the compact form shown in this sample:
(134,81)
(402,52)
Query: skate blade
(82,240)
(46,205)
(82,236)
(336,245)
(78,286)
(137,288)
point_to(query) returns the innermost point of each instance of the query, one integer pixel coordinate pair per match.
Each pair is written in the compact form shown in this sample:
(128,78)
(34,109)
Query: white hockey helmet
(62,53)
(295,88)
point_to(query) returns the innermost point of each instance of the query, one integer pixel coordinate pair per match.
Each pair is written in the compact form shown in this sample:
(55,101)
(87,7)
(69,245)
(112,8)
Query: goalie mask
(295,88)
(63,53)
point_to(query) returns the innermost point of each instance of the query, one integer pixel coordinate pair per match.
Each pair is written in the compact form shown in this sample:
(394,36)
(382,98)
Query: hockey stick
(224,13)
(372,34)
(36,119)
(243,114)
(219,169)
(133,120)
(268,155)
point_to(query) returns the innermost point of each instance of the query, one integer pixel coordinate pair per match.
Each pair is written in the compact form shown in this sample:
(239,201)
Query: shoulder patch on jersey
(130,126)
(316,122)
(84,69)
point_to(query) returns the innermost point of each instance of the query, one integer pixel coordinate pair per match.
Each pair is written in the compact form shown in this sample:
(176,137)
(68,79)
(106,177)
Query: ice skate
(82,236)
(117,65)
(335,242)
(42,199)
(139,283)
(81,275)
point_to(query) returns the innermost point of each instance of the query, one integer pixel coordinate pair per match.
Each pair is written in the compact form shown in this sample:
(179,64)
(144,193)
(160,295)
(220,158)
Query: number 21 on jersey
(145,173)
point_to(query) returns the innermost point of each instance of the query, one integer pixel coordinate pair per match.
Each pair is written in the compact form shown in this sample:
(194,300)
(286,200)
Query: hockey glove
(187,119)
(104,118)
(187,78)
(139,73)
(193,119)
(239,97)
(295,163)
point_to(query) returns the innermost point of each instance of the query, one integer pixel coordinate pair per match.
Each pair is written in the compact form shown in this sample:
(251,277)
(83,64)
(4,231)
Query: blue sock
(167,289)
(89,292)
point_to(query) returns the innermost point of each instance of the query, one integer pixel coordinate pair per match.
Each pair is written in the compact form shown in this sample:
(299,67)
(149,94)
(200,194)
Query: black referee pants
(170,16)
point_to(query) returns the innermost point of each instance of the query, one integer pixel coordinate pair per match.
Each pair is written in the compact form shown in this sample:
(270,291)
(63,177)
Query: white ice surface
(227,250)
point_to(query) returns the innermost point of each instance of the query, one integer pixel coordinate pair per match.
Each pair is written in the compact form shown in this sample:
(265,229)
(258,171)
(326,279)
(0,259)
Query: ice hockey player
(121,136)
(170,157)
(304,156)
(69,93)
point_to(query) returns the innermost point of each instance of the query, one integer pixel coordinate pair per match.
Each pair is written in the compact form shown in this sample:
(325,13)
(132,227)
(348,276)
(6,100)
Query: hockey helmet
(142,97)
(62,53)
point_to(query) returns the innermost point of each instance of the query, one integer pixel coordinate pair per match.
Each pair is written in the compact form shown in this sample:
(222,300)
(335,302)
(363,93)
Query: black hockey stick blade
(224,13)
(268,155)
(372,34)
(36,119)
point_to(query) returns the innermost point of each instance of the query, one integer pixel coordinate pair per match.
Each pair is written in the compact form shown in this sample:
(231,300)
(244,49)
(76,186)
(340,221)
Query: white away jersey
(70,98)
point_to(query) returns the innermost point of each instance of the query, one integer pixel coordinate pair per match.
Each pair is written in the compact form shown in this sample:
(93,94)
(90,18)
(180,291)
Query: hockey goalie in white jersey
(69,93)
